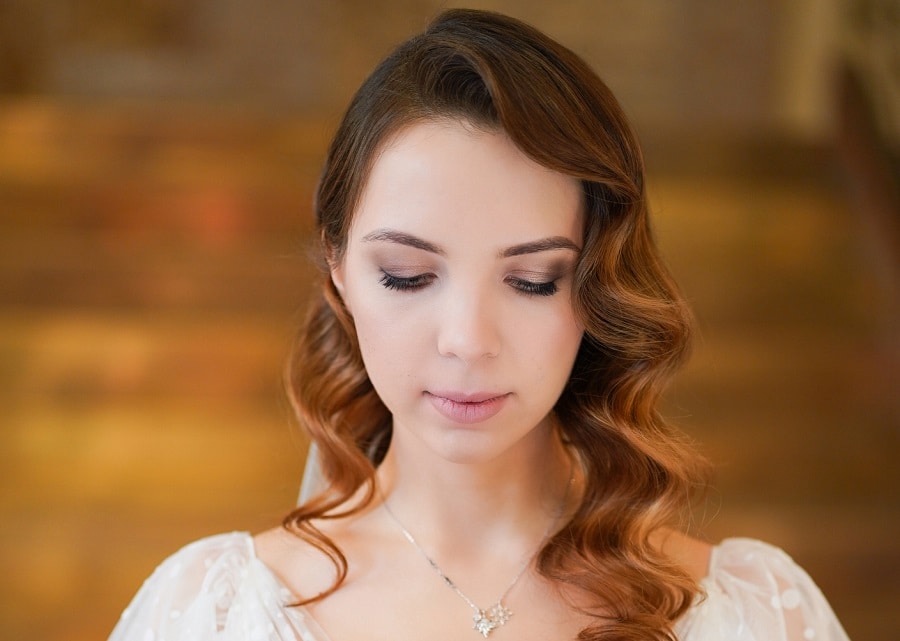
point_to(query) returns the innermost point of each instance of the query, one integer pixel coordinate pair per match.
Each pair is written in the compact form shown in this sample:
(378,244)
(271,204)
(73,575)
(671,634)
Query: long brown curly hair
(639,473)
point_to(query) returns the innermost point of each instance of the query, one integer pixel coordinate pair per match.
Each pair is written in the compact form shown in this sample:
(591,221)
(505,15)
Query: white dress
(217,589)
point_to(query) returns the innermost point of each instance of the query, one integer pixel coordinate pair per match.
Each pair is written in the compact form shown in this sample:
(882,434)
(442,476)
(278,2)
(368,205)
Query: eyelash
(405,284)
(413,283)
(535,289)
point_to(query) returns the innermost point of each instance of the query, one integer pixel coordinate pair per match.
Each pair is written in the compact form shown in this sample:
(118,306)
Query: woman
(481,379)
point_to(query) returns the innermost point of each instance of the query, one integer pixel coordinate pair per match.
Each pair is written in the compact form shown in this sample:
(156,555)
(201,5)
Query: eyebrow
(402,238)
(532,247)
(542,245)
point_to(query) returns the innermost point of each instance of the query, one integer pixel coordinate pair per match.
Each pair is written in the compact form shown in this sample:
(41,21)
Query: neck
(509,500)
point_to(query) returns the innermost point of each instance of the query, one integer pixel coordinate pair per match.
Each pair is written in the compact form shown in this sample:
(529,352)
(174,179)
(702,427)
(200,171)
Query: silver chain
(486,620)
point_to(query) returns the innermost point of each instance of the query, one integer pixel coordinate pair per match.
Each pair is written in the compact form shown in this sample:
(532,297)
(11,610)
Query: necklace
(486,619)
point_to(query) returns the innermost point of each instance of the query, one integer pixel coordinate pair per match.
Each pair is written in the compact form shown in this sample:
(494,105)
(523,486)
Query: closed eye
(400,283)
(536,289)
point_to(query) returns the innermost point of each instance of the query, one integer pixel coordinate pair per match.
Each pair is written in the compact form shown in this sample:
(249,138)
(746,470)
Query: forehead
(437,176)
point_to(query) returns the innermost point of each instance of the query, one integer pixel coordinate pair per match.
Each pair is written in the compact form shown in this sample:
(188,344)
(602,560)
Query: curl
(640,474)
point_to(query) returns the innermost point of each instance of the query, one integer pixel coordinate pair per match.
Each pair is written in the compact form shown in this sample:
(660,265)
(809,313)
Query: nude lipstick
(467,408)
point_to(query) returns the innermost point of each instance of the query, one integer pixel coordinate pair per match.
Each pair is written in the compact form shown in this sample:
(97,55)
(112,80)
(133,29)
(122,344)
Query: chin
(468,447)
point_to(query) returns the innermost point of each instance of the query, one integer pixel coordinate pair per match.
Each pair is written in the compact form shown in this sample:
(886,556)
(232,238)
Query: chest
(421,606)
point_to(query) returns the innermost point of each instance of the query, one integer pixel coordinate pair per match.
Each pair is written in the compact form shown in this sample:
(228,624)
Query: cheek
(388,341)
(373,329)
(550,330)
(556,346)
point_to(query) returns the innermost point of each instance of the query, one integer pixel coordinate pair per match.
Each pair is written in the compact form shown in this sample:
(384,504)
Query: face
(458,275)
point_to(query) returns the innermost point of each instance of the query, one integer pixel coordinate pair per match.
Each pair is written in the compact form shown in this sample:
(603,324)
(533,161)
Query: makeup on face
(525,267)
(458,273)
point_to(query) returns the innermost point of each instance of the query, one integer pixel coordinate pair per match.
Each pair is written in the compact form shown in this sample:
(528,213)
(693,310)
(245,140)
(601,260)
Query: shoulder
(691,553)
(755,592)
(200,563)
(195,591)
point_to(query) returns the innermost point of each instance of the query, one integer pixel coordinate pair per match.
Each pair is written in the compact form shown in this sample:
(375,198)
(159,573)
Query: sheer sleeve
(209,590)
(756,592)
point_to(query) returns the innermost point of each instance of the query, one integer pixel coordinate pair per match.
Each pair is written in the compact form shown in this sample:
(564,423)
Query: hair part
(497,73)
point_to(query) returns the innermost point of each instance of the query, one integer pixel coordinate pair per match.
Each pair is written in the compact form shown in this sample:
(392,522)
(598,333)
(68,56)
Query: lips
(467,408)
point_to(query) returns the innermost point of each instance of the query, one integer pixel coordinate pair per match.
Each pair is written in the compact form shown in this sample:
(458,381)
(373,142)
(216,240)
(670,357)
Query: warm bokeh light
(157,161)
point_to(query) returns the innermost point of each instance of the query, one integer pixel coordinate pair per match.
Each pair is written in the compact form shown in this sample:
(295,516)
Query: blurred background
(157,159)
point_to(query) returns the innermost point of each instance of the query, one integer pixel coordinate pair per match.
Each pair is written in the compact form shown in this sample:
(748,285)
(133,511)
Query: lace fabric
(755,592)
(217,588)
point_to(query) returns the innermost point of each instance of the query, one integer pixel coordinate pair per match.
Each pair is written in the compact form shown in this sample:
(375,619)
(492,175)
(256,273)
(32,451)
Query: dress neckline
(318,633)
(300,612)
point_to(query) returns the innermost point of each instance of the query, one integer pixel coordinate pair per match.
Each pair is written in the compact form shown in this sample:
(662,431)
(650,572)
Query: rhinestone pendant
(487,622)
(483,624)
(499,613)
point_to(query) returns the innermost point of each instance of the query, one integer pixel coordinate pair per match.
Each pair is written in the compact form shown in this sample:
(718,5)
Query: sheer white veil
(312,475)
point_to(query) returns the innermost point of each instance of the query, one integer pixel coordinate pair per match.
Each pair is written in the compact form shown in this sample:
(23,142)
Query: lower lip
(468,413)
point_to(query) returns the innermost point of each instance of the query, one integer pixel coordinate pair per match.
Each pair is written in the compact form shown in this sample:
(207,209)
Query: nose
(468,327)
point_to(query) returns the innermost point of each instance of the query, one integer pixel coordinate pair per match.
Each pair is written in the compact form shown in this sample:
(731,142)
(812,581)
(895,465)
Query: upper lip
(466,397)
